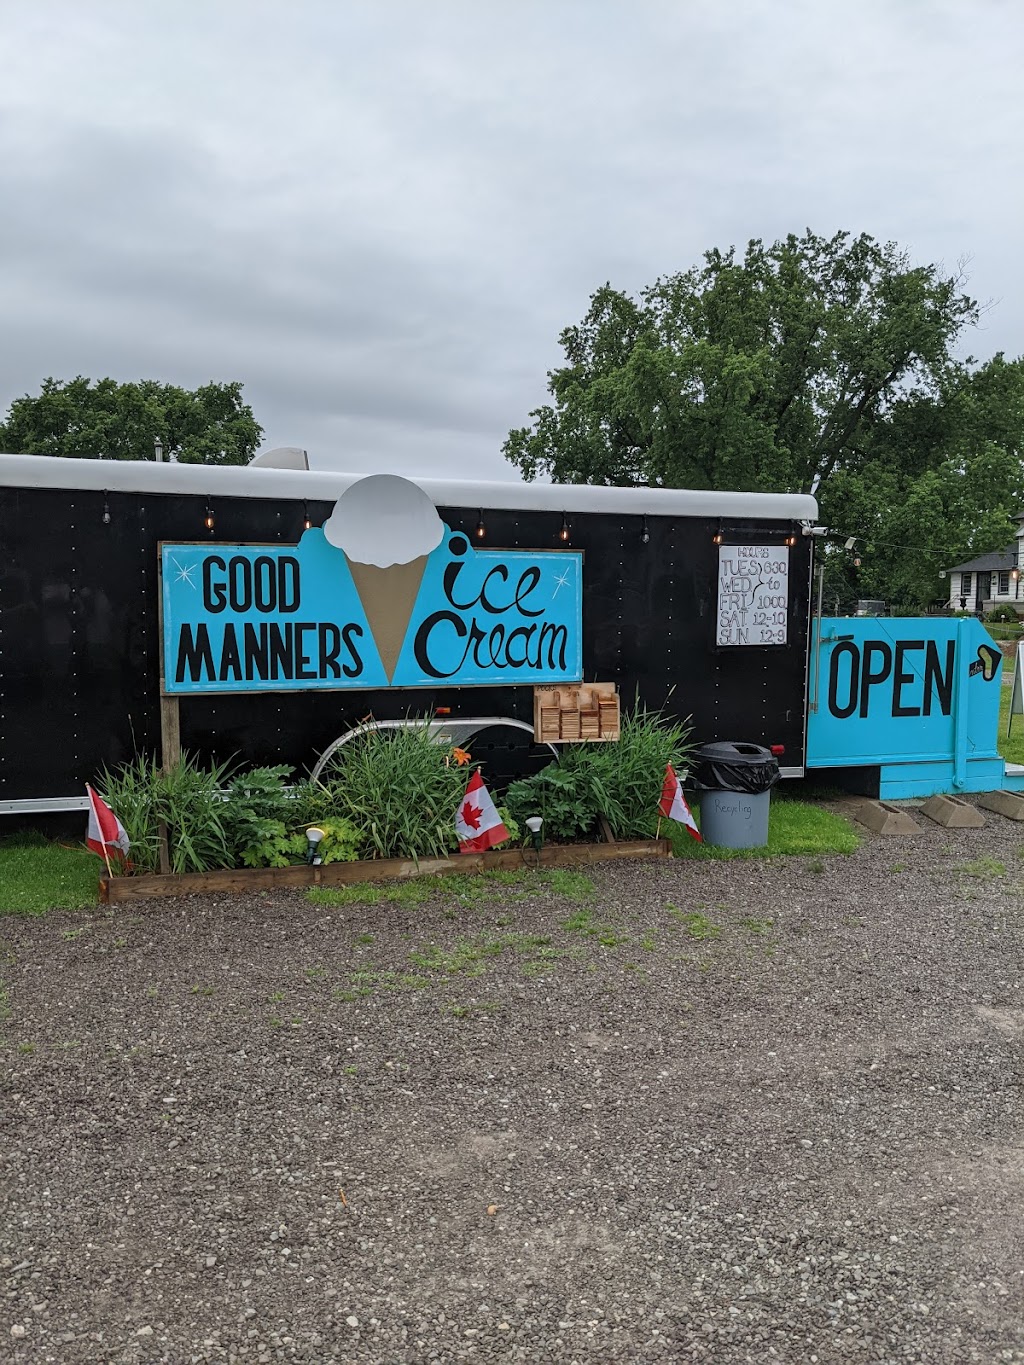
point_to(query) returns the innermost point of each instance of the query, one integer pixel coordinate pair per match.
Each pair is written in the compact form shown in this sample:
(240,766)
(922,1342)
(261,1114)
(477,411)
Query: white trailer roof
(246,481)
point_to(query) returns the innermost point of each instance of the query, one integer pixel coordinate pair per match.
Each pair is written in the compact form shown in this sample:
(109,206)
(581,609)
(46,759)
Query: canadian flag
(673,804)
(477,822)
(105,830)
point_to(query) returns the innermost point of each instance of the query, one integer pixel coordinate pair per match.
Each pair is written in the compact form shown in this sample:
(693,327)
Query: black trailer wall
(80,644)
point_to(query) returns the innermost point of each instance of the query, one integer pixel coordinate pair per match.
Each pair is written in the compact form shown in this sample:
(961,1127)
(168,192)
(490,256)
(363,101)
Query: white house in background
(989,580)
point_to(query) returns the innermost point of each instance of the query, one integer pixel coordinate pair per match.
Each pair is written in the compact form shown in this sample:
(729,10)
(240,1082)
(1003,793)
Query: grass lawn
(36,876)
(1012,749)
(794,827)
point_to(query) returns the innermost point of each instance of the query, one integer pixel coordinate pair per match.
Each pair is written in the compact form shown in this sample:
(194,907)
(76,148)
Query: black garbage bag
(726,766)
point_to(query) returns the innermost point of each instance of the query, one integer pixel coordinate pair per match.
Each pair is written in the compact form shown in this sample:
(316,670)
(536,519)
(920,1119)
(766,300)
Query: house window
(965,585)
(1004,584)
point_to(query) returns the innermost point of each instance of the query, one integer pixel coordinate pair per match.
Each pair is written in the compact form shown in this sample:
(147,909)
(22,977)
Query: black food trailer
(693,602)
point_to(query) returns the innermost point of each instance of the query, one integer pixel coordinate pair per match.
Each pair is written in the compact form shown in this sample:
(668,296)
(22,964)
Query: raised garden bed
(226,881)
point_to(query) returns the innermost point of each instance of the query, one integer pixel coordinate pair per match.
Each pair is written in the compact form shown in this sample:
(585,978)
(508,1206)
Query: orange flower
(460,756)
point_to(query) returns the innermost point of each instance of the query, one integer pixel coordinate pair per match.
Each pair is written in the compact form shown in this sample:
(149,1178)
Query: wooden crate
(574,713)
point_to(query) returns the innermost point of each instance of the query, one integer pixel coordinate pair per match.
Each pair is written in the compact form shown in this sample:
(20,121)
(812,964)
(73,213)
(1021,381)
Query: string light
(564,532)
(307,524)
(481,529)
(645,534)
(106,509)
(790,540)
(717,538)
(209,521)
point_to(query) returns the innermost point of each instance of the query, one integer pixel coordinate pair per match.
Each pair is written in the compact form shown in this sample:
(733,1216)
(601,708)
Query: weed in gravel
(757,926)
(465,957)
(695,922)
(464,887)
(275,998)
(5,1004)
(347,996)
(574,886)
(458,1011)
(202,990)
(984,867)
(350,1070)
(364,940)
(275,1022)
(538,968)
(817,866)
(315,973)
(899,867)
(26,1048)
(151,992)
(649,943)
(69,935)
(392,981)
(583,922)
(120,943)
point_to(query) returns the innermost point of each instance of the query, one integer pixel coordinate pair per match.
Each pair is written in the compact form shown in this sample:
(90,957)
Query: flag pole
(106,855)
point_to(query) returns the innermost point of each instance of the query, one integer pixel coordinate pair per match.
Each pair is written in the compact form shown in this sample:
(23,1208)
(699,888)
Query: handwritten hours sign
(753,594)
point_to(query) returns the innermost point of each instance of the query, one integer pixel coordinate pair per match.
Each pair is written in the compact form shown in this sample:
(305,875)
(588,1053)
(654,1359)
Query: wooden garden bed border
(237,881)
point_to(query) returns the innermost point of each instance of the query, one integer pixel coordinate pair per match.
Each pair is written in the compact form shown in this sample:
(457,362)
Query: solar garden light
(534,824)
(313,837)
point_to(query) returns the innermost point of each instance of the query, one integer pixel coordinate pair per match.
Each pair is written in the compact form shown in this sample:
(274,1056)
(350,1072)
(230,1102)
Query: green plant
(515,834)
(984,867)
(1003,612)
(399,789)
(187,798)
(564,794)
(629,773)
(255,811)
(574,886)
(695,922)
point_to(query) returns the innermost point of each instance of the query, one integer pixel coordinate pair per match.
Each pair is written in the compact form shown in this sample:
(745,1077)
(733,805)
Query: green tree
(208,425)
(824,365)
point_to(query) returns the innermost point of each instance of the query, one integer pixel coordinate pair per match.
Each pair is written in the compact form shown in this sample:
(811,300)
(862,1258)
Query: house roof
(1001,559)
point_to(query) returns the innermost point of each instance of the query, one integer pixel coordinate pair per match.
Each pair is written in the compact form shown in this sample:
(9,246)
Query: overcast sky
(379,215)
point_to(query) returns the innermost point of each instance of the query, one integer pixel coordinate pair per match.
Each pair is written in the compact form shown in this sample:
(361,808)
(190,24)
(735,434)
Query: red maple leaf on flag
(471,815)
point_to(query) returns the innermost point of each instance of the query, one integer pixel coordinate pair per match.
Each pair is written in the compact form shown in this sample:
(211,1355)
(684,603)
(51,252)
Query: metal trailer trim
(245,481)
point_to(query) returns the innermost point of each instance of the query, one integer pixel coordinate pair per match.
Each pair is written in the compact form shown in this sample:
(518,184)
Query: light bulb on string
(306,523)
(106,509)
(564,532)
(209,521)
(645,534)
(481,529)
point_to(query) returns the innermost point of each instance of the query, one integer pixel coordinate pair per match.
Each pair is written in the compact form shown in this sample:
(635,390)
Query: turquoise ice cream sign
(323,615)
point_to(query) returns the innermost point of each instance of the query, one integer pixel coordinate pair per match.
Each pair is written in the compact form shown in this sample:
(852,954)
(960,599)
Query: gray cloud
(378,218)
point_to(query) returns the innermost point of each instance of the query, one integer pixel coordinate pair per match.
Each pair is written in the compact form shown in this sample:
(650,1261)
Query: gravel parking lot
(722,1112)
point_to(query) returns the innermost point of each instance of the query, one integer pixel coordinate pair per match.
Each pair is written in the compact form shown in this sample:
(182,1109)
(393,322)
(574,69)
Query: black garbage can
(734,782)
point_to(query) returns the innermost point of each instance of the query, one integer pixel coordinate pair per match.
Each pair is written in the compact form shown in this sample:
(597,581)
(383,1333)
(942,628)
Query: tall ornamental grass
(187,798)
(400,789)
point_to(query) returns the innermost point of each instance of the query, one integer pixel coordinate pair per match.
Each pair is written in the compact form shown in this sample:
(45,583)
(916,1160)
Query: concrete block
(953,813)
(884,818)
(1010,804)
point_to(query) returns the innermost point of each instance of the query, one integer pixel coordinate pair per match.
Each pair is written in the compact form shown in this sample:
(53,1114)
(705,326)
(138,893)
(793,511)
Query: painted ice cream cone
(387,528)
(388,596)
